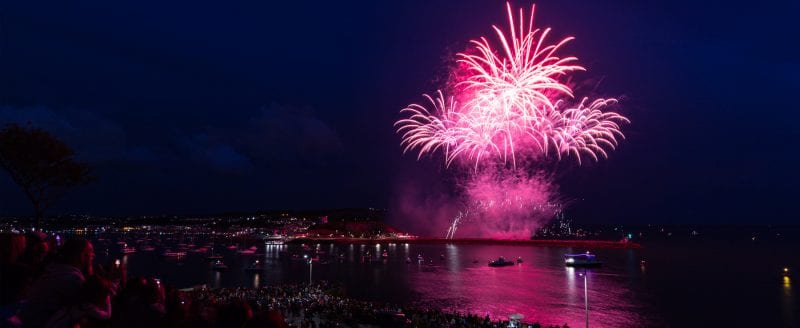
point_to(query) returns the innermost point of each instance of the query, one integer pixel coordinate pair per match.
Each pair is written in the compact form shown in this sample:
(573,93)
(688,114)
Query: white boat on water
(581,260)
(219,266)
(274,240)
(257,266)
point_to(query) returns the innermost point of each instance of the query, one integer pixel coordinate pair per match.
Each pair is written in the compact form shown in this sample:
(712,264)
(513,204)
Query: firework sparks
(513,103)
(510,101)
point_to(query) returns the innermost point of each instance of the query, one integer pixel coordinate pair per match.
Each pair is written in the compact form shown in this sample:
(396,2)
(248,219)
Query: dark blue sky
(206,107)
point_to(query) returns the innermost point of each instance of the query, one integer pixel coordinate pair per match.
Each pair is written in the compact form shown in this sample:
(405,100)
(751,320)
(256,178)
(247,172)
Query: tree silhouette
(41,164)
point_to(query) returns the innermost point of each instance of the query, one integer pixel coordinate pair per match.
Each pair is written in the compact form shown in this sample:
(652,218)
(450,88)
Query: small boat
(219,266)
(428,266)
(128,250)
(214,256)
(169,253)
(273,240)
(148,248)
(199,250)
(249,251)
(385,254)
(581,260)
(519,259)
(257,266)
(500,262)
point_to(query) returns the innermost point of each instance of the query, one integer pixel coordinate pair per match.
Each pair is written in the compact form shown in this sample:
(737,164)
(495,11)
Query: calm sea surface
(686,284)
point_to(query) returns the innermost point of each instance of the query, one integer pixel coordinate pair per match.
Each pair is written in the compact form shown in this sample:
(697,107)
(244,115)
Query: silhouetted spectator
(267,319)
(234,314)
(60,283)
(12,277)
(12,246)
(36,250)
(142,304)
(12,274)
(93,308)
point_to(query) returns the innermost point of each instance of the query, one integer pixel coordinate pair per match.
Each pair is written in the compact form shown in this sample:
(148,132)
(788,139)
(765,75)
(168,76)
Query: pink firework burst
(513,102)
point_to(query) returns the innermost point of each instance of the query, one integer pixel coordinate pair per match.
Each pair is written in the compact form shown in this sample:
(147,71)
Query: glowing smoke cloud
(506,205)
(510,105)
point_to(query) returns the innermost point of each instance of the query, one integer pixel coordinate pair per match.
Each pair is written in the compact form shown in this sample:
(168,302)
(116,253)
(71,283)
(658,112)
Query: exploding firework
(510,102)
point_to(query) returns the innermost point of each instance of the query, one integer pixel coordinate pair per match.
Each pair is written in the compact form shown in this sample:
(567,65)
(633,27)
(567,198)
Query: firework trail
(510,104)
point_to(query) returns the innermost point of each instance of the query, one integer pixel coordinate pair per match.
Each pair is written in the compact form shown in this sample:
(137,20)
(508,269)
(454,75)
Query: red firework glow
(510,103)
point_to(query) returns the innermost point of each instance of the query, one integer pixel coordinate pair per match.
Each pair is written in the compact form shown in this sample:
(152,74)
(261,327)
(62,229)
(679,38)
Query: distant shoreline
(477,241)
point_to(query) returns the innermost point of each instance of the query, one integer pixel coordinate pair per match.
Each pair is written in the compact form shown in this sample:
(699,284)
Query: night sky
(209,107)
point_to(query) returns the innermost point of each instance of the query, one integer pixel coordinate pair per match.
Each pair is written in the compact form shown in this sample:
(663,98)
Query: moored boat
(581,260)
(249,251)
(169,253)
(501,262)
(219,266)
(256,266)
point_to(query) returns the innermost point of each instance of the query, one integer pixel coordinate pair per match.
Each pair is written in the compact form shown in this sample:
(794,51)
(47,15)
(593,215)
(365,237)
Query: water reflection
(787,300)
(540,288)
(676,286)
